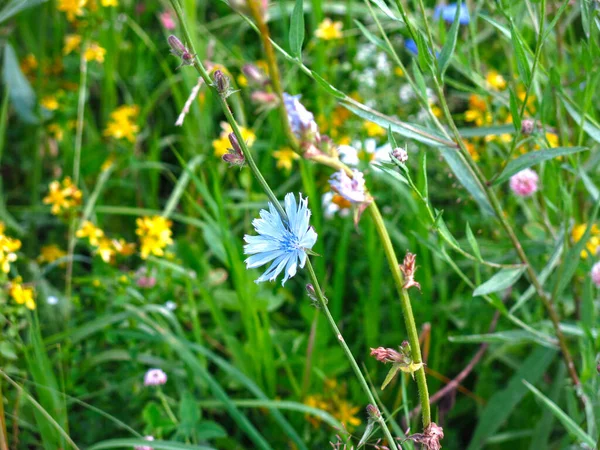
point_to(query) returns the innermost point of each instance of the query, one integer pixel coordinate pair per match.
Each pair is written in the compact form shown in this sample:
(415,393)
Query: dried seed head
(235,155)
(387,355)
(408,268)
(430,438)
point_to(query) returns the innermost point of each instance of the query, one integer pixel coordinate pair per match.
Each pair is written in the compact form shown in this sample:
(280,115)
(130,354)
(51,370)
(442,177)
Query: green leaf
(408,130)
(514,110)
(570,425)
(20,91)
(590,126)
(297,29)
(486,131)
(499,282)
(182,183)
(473,242)
(390,376)
(328,87)
(14,7)
(450,44)
(387,11)
(424,55)
(533,158)
(502,403)
(522,63)
(466,177)
(371,37)
(501,28)
(207,429)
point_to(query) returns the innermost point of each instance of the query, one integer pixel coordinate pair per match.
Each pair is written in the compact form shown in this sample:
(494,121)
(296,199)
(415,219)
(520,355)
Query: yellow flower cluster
(285,158)
(332,401)
(50,253)
(50,102)
(122,123)
(8,249)
(593,244)
(94,52)
(72,8)
(63,196)
(329,30)
(105,247)
(495,80)
(72,43)
(373,130)
(222,144)
(22,295)
(155,235)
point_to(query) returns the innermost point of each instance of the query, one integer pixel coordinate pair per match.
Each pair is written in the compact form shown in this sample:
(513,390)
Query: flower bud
(235,155)
(222,82)
(312,294)
(266,100)
(386,355)
(408,268)
(527,126)
(400,154)
(373,412)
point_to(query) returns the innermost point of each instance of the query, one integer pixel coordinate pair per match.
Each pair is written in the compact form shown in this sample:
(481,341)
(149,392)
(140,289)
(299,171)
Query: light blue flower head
(449,11)
(282,242)
(299,117)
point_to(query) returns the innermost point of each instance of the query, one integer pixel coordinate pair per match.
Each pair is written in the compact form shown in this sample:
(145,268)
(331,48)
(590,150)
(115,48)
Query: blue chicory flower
(411,46)
(284,242)
(299,117)
(447,12)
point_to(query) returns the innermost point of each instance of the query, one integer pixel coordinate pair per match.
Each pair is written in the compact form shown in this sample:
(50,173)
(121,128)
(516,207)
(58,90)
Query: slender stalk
(409,319)
(165,403)
(256,172)
(258,16)
(346,349)
(3,433)
(76,166)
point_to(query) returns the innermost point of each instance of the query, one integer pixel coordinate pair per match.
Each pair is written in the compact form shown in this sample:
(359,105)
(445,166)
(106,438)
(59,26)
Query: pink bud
(167,21)
(524,183)
(596,274)
(386,355)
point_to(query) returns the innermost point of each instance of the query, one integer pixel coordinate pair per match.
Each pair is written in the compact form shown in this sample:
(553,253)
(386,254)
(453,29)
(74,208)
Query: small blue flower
(282,242)
(299,117)
(449,11)
(411,46)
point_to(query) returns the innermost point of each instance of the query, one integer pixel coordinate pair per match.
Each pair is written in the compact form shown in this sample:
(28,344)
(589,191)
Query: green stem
(165,403)
(336,331)
(409,319)
(76,166)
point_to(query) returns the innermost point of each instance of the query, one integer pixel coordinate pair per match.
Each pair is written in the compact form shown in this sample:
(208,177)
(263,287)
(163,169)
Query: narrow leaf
(499,282)
(522,63)
(590,126)
(514,110)
(450,44)
(570,425)
(14,7)
(473,242)
(533,158)
(19,89)
(387,11)
(297,29)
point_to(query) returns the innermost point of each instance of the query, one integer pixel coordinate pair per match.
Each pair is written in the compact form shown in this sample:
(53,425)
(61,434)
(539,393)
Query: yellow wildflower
(552,140)
(96,282)
(56,131)
(72,8)
(155,235)
(593,243)
(495,80)
(477,111)
(346,413)
(8,249)
(284,158)
(398,72)
(22,295)
(107,3)
(242,81)
(328,30)
(94,53)
(91,232)
(436,110)
(72,43)
(50,253)
(121,125)
(106,250)
(50,102)
(373,130)
(108,163)
(315,401)
(62,196)
(222,144)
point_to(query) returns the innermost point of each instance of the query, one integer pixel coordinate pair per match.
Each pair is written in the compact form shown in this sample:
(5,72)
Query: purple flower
(301,120)
(155,377)
(449,11)
(524,183)
(352,189)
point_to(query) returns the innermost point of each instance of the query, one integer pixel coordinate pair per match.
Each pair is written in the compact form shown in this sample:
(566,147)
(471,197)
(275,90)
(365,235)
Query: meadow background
(121,237)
